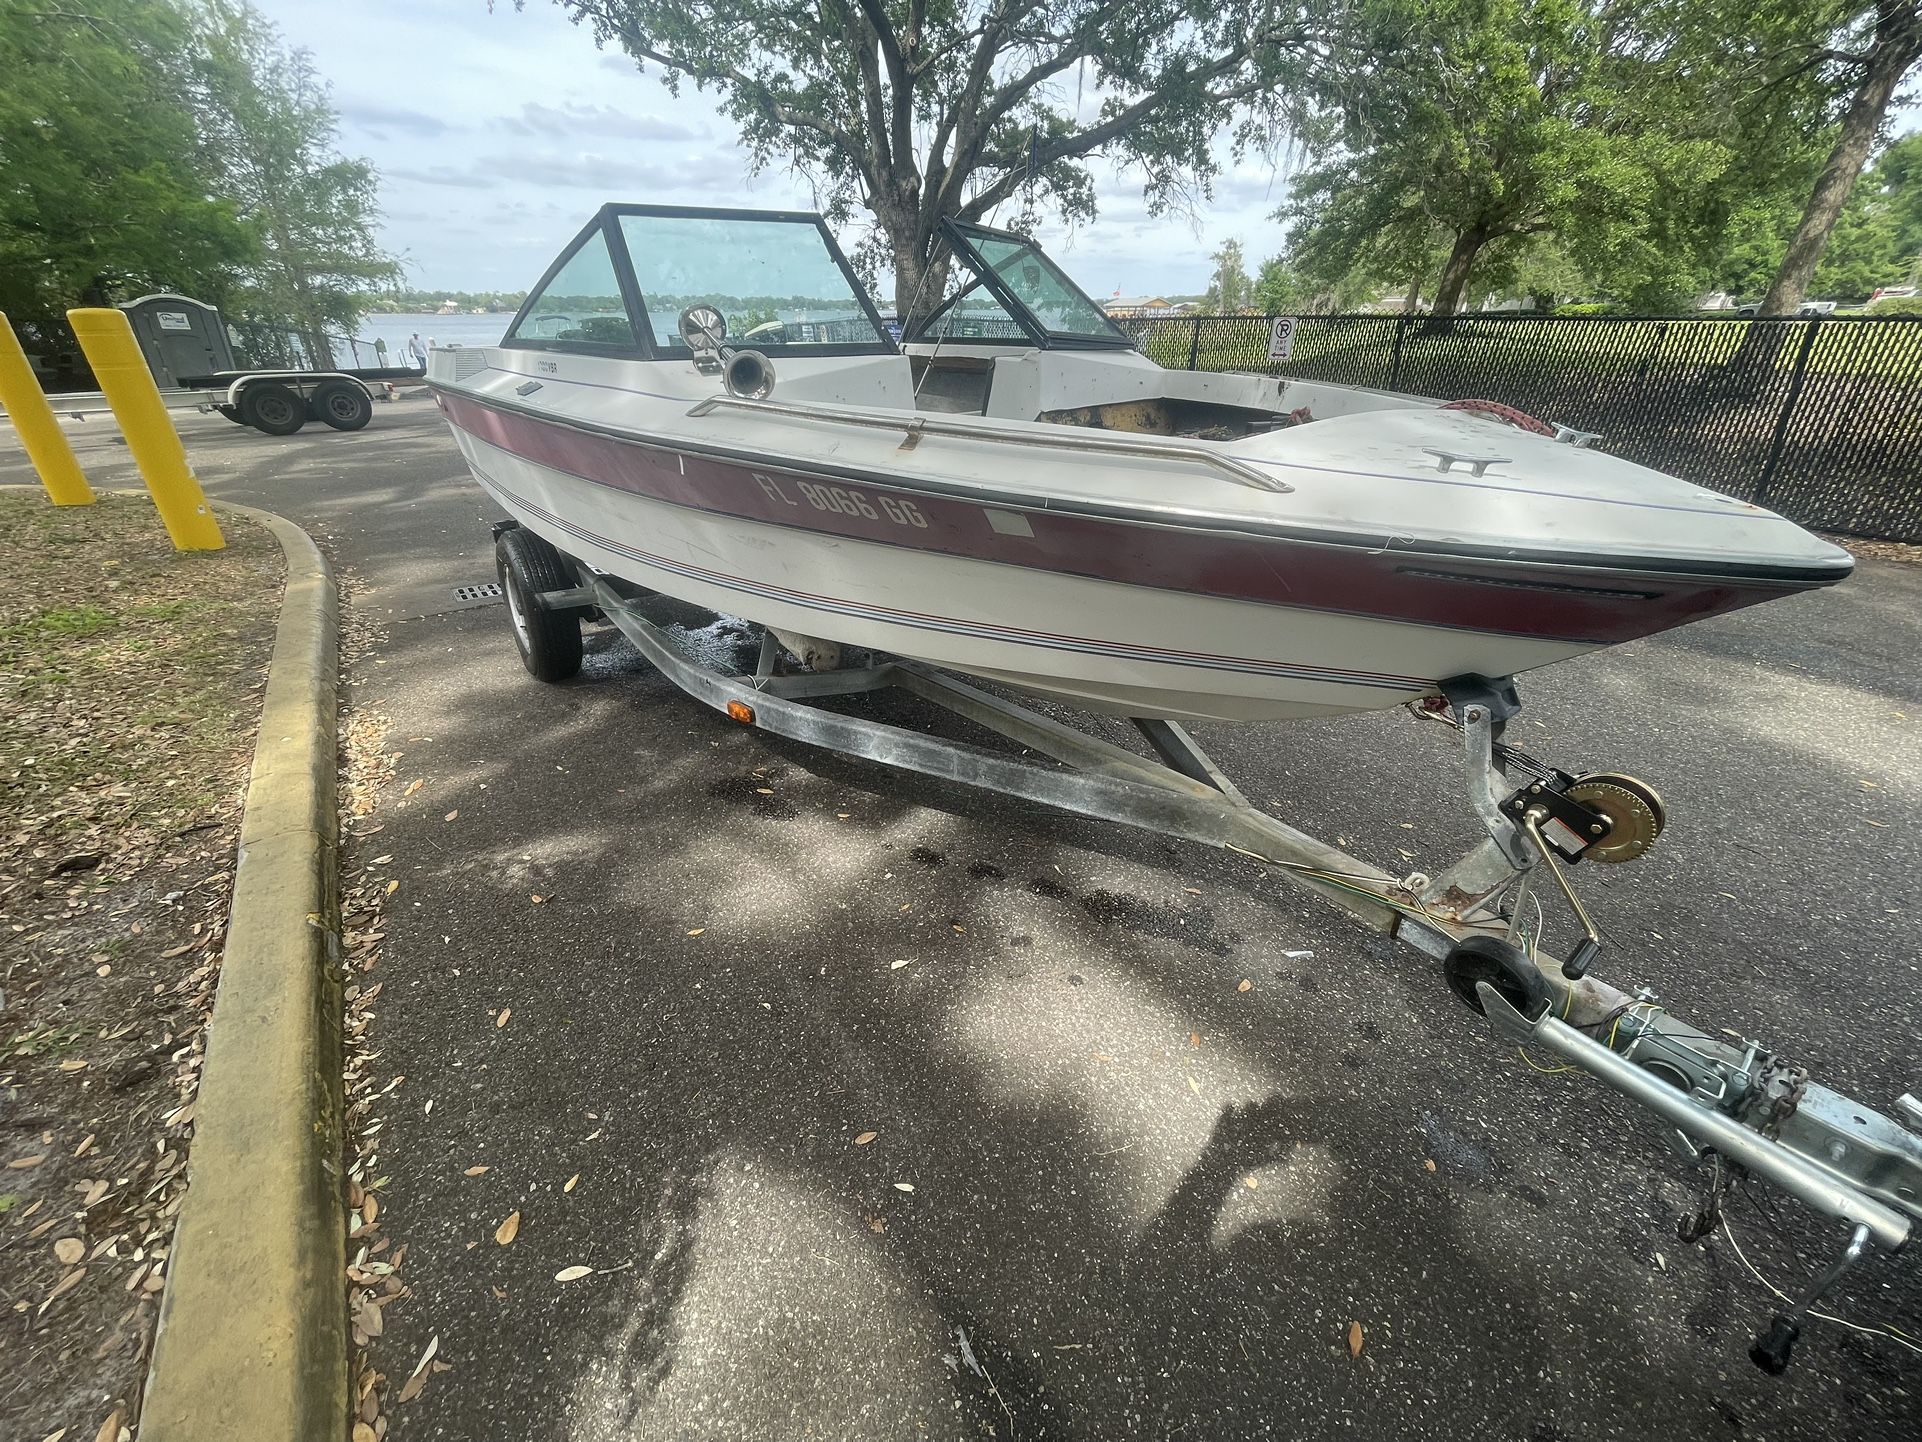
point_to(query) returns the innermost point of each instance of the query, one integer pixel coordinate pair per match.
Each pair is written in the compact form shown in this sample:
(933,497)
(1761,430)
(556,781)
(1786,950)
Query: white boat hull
(1129,650)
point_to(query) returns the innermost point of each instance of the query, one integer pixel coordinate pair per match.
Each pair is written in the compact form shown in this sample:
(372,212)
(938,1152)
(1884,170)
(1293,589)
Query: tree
(1879,44)
(922,111)
(1283,288)
(1897,175)
(107,185)
(1229,288)
(1486,123)
(268,117)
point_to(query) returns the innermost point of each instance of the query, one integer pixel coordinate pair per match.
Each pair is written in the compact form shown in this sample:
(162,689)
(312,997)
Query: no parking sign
(1281,339)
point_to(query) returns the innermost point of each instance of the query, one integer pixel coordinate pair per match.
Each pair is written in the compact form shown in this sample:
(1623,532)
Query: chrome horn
(747,374)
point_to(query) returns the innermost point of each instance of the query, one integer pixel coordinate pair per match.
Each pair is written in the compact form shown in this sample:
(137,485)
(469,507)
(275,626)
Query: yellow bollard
(40,433)
(111,350)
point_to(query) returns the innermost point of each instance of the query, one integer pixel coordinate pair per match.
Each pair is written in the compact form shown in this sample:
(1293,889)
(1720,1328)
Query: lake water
(442,329)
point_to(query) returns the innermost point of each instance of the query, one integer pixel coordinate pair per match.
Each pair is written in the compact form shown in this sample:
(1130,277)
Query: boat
(706,403)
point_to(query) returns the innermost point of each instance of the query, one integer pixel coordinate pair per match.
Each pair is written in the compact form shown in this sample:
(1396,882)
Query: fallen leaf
(573,1274)
(19,1164)
(69,1250)
(571,1183)
(697,931)
(451,815)
(85,1145)
(475,1171)
(393,886)
(74,1064)
(1194,1086)
(421,1372)
(896,965)
(1354,1339)
(538,899)
(370,1209)
(1429,1165)
(413,786)
(501,1020)
(1194,1038)
(1251,1183)
(764,791)
(65,1284)
(904,1186)
(1192,890)
(109,1429)
(1245,985)
(364,1433)
(865,1138)
(367,1317)
(509,1229)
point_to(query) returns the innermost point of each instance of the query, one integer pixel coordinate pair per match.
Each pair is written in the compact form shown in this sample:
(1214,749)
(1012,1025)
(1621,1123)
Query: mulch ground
(130,682)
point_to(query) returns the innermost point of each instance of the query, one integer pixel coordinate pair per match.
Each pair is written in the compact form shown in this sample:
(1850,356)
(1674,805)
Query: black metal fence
(1820,419)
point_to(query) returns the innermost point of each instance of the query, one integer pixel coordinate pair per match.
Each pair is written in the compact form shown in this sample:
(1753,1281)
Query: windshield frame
(623,278)
(959,235)
(607,221)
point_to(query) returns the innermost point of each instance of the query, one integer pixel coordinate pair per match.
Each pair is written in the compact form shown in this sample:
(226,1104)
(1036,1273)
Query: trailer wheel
(1504,966)
(549,640)
(342,406)
(274,408)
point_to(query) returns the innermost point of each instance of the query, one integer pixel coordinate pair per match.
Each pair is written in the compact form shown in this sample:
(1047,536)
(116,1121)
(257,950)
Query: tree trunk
(1461,263)
(920,280)
(1898,42)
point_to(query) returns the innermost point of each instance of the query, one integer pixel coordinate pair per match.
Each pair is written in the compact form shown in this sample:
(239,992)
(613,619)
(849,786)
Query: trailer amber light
(741,712)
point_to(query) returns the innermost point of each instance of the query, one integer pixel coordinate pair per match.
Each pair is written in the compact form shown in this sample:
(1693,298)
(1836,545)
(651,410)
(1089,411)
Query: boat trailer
(1737,1108)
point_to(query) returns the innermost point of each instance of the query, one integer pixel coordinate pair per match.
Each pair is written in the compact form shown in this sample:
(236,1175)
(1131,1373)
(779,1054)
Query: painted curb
(252,1337)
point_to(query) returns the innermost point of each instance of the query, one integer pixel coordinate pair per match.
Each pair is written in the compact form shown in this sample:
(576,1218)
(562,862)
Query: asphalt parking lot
(1110,1193)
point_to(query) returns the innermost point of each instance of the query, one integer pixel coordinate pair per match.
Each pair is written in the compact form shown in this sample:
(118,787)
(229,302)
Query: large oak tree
(923,109)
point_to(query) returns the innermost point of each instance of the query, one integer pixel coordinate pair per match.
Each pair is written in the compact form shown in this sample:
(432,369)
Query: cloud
(642,178)
(572,120)
(441,175)
(371,115)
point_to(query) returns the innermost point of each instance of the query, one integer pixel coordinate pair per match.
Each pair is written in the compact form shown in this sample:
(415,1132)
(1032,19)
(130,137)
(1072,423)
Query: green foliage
(108,187)
(493,301)
(172,146)
(1229,289)
(916,111)
(1896,305)
(1590,307)
(1570,148)
(267,115)
(1282,288)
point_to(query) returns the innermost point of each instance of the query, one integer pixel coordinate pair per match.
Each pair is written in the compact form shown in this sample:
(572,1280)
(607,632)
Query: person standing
(414,351)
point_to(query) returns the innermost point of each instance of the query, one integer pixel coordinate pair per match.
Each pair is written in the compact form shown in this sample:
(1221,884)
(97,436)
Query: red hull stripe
(927,621)
(1417,589)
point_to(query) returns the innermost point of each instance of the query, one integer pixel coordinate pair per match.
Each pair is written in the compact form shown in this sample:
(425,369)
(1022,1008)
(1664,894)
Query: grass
(1358,349)
(125,665)
(129,694)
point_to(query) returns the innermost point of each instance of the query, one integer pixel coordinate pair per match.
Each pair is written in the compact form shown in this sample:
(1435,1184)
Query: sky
(497,135)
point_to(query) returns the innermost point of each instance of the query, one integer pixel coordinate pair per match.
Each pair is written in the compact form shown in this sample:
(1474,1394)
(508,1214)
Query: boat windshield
(1016,291)
(776,279)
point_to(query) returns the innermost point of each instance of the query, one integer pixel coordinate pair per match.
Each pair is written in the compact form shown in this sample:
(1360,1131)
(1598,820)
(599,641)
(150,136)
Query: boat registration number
(845,501)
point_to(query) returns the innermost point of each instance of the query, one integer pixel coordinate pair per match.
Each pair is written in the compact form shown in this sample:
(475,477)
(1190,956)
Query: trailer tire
(273,408)
(1504,966)
(344,407)
(549,640)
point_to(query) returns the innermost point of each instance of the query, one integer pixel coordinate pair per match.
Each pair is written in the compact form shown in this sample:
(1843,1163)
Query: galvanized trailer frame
(1733,1103)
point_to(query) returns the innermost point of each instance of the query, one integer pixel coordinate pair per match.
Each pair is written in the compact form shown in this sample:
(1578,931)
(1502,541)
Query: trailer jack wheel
(549,640)
(1504,966)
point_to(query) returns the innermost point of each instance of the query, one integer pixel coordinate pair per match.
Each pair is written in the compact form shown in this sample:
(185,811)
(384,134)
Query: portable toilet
(180,336)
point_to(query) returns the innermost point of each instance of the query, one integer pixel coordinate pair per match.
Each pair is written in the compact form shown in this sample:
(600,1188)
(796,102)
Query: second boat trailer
(1737,1107)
